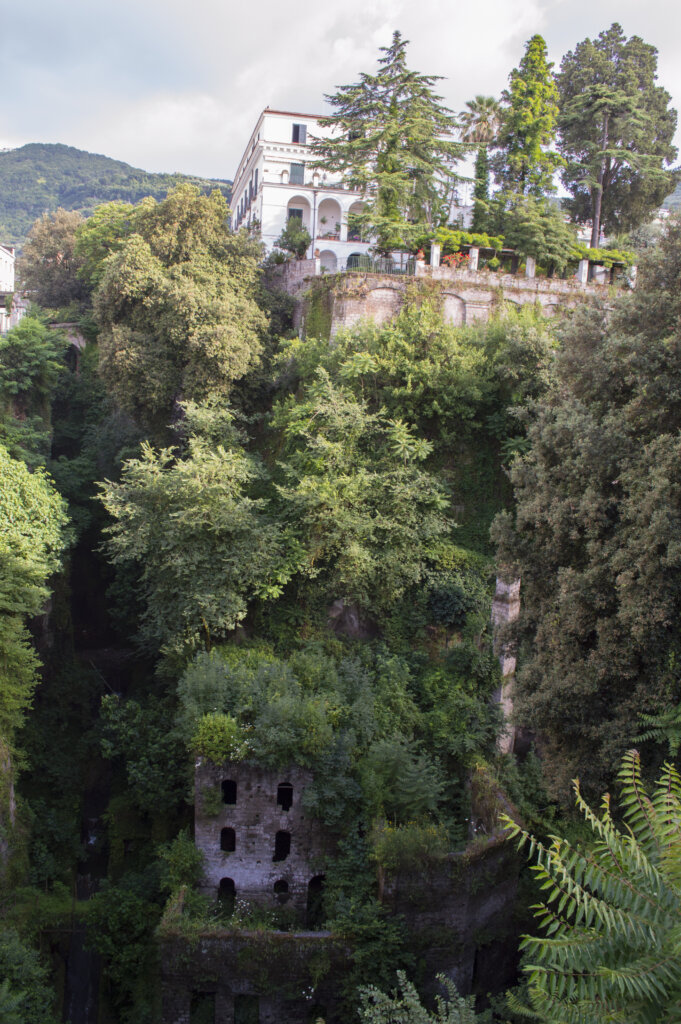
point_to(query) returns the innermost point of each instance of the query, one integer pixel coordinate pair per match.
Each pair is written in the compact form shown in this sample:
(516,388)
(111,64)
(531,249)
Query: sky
(169,85)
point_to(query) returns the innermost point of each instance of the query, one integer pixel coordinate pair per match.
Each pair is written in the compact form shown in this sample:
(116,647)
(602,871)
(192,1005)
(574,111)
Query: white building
(275,181)
(6,268)
(8,316)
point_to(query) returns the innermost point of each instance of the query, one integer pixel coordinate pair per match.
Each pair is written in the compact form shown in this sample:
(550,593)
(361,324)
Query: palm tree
(479,125)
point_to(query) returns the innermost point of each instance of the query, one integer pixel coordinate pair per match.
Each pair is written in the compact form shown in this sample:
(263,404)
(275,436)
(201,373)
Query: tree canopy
(525,162)
(594,531)
(176,303)
(616,130)
(32,538)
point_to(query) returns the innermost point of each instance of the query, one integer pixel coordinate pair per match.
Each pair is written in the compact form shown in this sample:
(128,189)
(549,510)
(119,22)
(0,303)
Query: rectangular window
(299,134)
(297,174)
(255,186)
(297,214)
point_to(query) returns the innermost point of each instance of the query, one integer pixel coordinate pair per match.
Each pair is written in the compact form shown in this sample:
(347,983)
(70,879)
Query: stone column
(505,609)
(435,250)
(530,266)
(344,228)
(583,271)
(473,257)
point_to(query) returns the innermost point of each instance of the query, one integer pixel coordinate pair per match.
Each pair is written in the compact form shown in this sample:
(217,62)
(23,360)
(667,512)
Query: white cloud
(169,89)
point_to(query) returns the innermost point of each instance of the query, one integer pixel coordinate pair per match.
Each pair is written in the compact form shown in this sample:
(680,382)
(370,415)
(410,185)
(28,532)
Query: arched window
(315,902)
(281,888)
(282,846)
(229,791)
(285,796)
(228,840)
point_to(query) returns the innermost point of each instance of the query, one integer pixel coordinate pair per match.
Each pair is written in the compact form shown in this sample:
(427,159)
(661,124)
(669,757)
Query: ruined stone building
(258,844)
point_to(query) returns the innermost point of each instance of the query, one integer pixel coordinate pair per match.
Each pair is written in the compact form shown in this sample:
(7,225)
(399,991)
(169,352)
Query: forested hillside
(40,177)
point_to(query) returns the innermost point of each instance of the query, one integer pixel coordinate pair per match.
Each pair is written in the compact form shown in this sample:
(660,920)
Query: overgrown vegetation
(270,549)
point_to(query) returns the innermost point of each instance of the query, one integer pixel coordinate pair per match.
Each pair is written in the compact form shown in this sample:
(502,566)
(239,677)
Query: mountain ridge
(39,177)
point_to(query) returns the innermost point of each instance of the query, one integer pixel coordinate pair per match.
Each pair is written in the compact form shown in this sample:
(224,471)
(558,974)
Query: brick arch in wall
(453,309)
(383,302)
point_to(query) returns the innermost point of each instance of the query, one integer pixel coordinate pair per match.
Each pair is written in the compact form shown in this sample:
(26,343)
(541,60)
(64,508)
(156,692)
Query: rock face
(258,843)
(505,610)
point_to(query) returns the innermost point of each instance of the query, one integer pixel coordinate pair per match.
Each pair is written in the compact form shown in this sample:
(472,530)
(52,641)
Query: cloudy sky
(176,85)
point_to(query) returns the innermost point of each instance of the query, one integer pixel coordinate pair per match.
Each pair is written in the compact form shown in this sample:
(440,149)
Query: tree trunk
(598,197)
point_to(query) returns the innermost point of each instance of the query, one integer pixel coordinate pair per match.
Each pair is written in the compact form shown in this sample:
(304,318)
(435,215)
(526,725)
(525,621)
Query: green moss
(319,308)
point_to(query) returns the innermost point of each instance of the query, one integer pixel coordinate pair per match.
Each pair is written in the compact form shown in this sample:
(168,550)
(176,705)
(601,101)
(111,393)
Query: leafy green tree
(49,265)
(294,238)
(365,512)
(32,538)
(391,140)
(403,1006)
(595,528)
(25,993)
(525,163)
(31,360)
(534,227)
(479,124)
(616,131)
(102,234)
(204,546)
(176,306)
(611,949)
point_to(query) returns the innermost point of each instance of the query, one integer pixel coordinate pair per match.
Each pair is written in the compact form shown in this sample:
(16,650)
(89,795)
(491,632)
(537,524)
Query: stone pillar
(583,271)
(435,250)
(632,275)
(420,268)
(344,229)
(505,609)
(530,266)
(473,257)
(317,266)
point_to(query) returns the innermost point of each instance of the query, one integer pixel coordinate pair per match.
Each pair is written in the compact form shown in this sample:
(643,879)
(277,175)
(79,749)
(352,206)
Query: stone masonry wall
(467,295)
(256,818)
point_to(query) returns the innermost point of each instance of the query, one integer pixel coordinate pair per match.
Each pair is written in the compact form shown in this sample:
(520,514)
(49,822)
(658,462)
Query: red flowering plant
(455,259)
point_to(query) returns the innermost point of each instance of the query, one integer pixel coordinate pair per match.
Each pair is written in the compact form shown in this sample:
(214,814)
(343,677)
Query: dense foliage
(610,949)
(280,555)
(594,531)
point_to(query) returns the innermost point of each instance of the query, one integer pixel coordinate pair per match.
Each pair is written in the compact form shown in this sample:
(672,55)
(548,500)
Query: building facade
(276,181)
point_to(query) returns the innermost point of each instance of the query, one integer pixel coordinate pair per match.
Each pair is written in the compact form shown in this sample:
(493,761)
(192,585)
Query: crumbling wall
(286,978)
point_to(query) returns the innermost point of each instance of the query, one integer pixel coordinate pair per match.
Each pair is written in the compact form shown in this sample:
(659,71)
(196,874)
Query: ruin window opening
(314,914)
(282,846)
(281,890)
(227,896)
(229,791)
(228,840)
(202,1008)
(285,796)
(246,1010)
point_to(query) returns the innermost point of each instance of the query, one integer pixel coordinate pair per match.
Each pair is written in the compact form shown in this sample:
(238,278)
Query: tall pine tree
(392,140)
(525,162)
